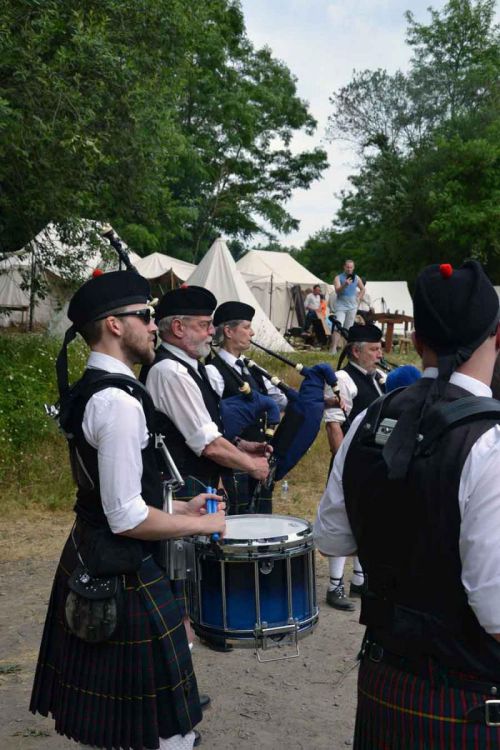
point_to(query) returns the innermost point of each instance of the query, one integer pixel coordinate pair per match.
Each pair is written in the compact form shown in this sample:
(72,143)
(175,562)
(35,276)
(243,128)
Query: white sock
(358,577)
(336,569)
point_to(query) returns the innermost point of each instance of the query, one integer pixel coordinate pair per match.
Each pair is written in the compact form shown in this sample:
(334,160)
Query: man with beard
(414,490)
(360,383)
(114,668)
(189,407)
(233,322)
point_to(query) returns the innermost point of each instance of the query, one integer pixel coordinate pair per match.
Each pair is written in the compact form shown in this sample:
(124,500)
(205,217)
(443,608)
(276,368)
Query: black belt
(486,713)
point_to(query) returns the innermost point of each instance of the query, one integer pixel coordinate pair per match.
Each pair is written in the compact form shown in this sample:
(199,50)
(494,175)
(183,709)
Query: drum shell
(250,586)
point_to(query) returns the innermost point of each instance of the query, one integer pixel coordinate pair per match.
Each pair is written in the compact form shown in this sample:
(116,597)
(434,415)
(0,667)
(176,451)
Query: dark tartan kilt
(126,692)
(398,710)
(241,489)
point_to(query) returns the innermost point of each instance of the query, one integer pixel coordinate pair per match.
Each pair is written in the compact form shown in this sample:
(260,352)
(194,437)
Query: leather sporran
(94,605)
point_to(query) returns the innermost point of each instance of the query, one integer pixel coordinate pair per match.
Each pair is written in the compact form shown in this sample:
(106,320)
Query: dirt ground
(305,702)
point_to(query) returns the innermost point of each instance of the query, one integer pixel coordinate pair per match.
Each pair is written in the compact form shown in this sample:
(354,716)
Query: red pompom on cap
(97,272)
(184,286)
(446,269)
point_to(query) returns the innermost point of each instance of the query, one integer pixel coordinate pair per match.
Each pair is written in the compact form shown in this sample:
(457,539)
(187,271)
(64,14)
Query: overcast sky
(322,42)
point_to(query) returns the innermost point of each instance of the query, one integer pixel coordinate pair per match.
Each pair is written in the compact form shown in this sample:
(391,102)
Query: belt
(485,713)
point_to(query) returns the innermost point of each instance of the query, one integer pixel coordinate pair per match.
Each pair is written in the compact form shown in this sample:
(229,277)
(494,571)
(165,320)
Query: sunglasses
(145,315)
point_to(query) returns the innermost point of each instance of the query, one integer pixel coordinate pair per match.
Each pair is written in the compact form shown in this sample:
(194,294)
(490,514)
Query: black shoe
(197,738)
(357,591)
(337,599)
(204,701)
(220,646)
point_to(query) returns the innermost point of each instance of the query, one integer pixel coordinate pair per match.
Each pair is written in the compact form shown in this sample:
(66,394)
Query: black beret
(107,291)
(454,309)
(187,300)
(233,311)
(369,332)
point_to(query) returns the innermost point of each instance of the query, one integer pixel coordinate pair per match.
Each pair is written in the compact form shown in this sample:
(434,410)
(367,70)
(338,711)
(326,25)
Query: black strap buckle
(375,653)
(492,712)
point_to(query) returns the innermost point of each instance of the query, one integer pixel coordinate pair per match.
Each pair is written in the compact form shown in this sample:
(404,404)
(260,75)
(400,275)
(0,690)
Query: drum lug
(265,638)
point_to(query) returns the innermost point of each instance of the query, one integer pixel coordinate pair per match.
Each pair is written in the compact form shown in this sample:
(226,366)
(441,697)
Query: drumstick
(212,506)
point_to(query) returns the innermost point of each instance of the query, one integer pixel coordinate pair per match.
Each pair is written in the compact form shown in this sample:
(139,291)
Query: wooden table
(390,320)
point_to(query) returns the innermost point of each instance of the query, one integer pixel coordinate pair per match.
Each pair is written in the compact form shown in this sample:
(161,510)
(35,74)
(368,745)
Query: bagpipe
(303,414)
(246,408)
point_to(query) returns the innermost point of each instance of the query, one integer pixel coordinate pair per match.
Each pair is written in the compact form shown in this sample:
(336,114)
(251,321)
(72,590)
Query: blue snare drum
(258,586)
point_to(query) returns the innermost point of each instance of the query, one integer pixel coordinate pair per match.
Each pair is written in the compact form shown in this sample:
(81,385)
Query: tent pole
(271,301)
(32,289)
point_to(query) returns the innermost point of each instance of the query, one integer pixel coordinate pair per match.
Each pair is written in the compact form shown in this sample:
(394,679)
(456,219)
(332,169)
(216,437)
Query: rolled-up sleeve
(332,531)
(348,392)
(175,393)
(114,424)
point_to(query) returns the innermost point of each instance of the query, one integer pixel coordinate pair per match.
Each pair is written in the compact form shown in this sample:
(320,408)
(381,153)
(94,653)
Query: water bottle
(284,490)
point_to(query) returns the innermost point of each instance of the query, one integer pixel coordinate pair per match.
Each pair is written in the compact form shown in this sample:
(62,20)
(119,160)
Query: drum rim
(244,546)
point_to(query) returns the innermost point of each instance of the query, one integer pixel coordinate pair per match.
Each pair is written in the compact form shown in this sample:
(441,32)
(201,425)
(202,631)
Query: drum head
(265,530)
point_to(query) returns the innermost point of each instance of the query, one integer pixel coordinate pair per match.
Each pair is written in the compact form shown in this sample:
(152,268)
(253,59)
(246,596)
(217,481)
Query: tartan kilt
(240,491)
(398,710)
(126,692)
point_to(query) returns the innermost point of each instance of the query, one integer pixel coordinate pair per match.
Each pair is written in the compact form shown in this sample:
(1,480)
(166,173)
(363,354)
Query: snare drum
(258,586)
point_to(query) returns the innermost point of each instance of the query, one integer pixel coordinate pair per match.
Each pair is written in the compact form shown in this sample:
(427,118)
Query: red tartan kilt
(401,711)
(126,692)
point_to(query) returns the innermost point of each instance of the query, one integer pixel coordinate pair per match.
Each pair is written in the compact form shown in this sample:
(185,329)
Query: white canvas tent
(163,270)
(56,274)
(270,276)
(390,296)
(219,273)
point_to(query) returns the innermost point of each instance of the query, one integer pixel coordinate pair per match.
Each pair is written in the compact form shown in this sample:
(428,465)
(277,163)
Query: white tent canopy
(270,276)
(156,265)
(57,273)
(219,273)
(390,296)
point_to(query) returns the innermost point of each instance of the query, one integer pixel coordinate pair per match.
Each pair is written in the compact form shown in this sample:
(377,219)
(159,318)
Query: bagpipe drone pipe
(303,415)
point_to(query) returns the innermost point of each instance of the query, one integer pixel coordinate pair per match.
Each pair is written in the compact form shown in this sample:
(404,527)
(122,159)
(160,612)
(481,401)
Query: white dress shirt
(217,381)
(348,392)
(114,424)
(479,505)
(176,394)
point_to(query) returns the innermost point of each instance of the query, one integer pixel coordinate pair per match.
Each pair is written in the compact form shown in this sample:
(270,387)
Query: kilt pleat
(398,710)
(126,692)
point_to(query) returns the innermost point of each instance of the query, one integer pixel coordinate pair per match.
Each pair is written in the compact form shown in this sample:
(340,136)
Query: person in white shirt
(93,663)
(414,491)
(312,304)
(360,383)
(233,335)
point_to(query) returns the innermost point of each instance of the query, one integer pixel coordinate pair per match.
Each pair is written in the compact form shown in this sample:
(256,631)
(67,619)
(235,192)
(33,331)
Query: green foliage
(428,187)
(33,467)
(157,116)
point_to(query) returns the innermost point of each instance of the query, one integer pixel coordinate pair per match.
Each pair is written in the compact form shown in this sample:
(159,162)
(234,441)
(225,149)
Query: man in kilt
(126,680)
(414,490)
(188,405)
(227,370)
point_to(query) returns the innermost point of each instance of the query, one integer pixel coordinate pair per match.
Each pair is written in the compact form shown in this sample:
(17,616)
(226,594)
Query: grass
(34,466)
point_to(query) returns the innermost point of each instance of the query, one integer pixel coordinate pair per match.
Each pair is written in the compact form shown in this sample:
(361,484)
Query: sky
(322,42)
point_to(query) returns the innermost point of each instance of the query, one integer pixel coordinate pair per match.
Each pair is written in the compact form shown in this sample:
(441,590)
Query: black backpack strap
(129,385)
(373,416)
(443,417)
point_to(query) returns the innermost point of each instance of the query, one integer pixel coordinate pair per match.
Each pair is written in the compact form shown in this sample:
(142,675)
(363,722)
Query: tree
(428,185)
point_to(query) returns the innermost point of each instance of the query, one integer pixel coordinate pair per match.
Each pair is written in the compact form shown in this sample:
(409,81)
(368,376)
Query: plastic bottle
(284,490)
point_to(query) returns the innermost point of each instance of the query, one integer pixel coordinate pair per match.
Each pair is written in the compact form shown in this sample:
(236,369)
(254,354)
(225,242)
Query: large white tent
(162,269)
(390,296)
(54,262)
(270,276)
(219,273)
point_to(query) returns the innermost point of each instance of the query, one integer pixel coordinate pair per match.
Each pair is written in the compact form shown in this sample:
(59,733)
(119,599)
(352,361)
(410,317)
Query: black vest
(83,456)
(407,532)
(188,463)
(256,431)
(367,393)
